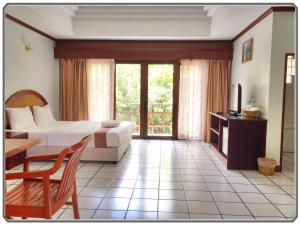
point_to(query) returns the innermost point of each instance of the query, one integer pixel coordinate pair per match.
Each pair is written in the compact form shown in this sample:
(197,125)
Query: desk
(246,140)
(15,150)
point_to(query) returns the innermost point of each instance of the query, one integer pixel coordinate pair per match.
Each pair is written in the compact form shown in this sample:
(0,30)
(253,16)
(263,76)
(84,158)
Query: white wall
(36,70)
(51,19)
(282,43)
(237,18)
(289,126)
(254,75)
(262,78)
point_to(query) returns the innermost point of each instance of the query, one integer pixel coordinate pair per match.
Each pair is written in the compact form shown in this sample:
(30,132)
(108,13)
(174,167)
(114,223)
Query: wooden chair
(39,196)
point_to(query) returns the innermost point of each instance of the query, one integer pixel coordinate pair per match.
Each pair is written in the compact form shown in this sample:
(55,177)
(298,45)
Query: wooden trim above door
(143,50)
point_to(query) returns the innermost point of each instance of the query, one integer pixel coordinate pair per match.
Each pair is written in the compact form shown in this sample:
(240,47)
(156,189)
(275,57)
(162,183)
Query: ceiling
(178,22)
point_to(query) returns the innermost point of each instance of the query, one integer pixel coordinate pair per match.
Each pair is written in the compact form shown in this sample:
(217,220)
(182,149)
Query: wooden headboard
(24,98)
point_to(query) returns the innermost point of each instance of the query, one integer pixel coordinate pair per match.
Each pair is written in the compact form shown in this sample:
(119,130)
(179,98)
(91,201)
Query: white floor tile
(263,210)
(237,180)
(219,187)
(172,194)
(225,197)
(83,213)
(237,218)
(139,215)
(215,179)
(287,210)
(88,202)
(199,216)
(203,207)
(114,203)
(172,206)
(280,199)
(261,180)
(180,180)
(191,186)
(253,198)
(245,188)
(172,216)
(233,209)
(119,193)
(145,193)
(143,204)
(270,189)
(93,192)
(109,215)
(198,196)
(171,185)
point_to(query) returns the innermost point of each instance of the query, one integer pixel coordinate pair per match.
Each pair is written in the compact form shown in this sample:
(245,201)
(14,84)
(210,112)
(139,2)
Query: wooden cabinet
(17,159)
(246,139)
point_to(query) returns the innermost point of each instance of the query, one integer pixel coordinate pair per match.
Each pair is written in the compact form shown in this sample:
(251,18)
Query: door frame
(279,168)
(144,96)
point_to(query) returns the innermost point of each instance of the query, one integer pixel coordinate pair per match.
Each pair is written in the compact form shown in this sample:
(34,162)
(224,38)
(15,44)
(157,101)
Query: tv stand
(246,139)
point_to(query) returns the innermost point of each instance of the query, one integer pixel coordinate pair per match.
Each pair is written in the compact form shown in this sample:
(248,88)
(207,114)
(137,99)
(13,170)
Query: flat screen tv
(235,96)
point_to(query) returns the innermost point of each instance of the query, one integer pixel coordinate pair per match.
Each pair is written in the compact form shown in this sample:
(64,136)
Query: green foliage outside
(160,100)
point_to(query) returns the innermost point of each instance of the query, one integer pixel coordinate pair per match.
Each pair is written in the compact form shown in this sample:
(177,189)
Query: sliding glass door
(144,95)
(127,94)
(160,99)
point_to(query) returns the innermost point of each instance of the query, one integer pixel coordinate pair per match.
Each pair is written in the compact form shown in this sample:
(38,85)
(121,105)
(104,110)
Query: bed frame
(32,98)
(24,98)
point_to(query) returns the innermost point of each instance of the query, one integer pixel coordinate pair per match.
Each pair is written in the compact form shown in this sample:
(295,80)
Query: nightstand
(17,159)
(16,135)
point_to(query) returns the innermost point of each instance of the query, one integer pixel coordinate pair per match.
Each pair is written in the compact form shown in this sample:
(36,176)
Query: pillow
(110,123)
(20,118)
(42,115)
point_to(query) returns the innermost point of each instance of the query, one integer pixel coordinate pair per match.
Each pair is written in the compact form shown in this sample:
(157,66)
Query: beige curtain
(73,90)
(100,89)
(192,99)
(217,90)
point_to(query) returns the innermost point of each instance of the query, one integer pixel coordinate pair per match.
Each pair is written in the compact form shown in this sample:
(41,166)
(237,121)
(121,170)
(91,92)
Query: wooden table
(15,150)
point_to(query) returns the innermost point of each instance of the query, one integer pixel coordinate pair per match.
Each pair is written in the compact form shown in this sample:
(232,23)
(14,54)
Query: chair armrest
(40,173)
(24,175)
(37,158)
(41,157)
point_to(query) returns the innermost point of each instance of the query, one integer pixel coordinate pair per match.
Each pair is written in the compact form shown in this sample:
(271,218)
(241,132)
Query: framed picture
(247,50)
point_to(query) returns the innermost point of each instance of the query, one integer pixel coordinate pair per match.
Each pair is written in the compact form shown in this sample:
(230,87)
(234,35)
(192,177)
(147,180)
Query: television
(235,96)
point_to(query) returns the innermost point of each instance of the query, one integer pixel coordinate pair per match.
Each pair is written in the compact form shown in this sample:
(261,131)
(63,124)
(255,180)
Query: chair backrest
(69,174)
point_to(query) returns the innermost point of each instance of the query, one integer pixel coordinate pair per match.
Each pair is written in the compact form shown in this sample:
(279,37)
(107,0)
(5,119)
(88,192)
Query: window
(290,68)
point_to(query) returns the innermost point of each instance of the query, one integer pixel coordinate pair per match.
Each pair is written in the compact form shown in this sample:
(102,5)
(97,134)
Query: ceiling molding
(20,22)
(210,10)
(70,9)
(262,16)
(139,12)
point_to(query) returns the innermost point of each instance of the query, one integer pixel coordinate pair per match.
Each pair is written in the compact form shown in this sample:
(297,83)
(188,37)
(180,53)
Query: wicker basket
(266,166)
(251,113)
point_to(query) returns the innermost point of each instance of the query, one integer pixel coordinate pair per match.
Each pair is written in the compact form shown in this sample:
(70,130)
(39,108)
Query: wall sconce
(28,47)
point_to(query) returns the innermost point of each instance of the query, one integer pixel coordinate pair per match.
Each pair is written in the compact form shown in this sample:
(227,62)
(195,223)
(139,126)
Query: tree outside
(160,96)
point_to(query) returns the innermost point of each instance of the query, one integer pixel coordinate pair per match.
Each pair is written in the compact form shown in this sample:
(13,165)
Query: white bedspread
(66,133)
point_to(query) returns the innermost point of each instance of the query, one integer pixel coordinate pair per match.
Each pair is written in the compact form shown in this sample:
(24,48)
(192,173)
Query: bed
(59,134)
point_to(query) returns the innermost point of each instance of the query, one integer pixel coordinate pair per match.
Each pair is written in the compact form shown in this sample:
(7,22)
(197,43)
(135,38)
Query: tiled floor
(162,180)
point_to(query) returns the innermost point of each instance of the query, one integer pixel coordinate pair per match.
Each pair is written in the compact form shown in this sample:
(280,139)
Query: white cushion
(42,115)
(20,118)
